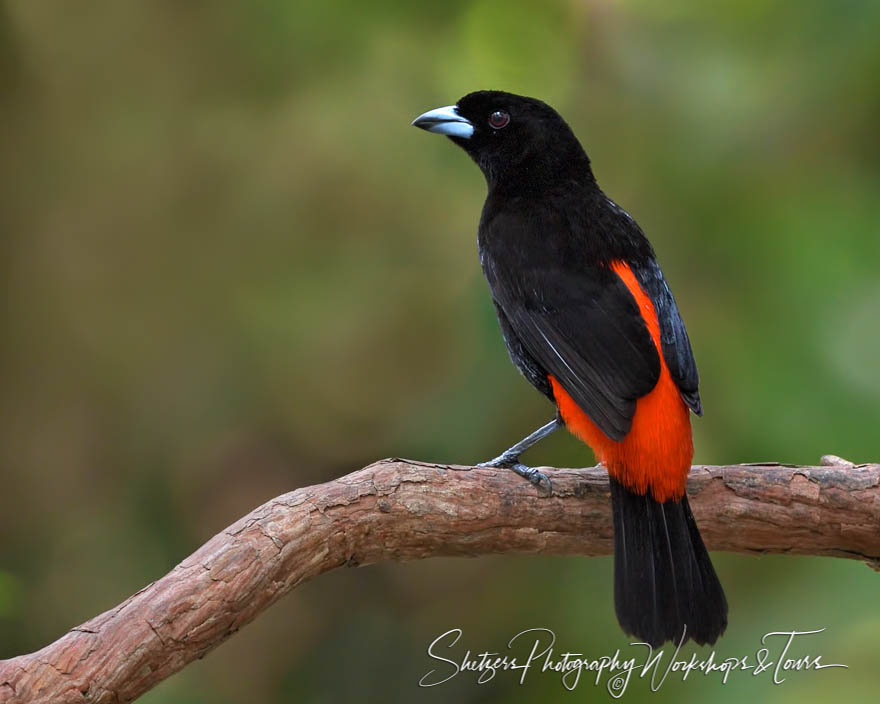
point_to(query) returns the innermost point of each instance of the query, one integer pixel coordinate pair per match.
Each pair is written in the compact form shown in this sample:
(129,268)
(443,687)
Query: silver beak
(445,120)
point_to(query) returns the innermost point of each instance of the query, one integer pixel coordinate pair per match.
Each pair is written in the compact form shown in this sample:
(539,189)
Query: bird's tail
(664,581)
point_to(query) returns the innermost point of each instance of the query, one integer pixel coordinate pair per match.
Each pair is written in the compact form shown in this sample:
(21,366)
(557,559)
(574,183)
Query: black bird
(589,320)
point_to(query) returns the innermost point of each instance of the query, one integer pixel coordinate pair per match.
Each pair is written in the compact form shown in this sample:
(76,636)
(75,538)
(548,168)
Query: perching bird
(589,320)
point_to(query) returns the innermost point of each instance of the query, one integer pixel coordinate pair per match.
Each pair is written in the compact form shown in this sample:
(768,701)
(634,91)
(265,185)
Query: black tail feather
(663,578)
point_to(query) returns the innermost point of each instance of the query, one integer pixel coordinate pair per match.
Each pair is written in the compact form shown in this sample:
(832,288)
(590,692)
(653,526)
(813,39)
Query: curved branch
(404,510)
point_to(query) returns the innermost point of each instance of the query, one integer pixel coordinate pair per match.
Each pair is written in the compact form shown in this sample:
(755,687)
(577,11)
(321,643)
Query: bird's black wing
(673,337)
(585,329)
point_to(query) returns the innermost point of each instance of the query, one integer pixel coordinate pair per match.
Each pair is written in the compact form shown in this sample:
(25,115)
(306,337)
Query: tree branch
(404,510)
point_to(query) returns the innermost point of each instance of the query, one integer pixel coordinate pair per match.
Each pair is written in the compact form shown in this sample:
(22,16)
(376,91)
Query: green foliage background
(231,268)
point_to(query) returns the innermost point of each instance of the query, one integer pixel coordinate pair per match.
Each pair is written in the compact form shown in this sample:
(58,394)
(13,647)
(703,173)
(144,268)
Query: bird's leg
(510,457)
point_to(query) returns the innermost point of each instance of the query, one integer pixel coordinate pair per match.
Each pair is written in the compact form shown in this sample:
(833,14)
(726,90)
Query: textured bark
(403,510)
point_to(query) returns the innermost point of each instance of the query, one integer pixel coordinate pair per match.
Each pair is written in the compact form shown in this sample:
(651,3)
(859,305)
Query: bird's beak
(445,121)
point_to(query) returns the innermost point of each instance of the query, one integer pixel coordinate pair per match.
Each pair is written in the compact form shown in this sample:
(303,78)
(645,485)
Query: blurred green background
(231,268)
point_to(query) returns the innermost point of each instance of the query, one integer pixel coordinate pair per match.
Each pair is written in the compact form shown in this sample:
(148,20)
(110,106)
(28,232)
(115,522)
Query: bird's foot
(511,461)
(505,459)
(539,479)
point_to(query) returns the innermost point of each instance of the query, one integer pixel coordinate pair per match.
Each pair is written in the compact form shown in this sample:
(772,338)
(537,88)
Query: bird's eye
(498,119)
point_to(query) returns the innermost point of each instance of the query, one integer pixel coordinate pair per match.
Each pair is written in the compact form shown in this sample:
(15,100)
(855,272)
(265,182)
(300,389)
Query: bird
(589,320)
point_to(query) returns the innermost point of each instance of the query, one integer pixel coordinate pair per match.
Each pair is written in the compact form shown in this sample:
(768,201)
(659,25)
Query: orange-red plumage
(656,453)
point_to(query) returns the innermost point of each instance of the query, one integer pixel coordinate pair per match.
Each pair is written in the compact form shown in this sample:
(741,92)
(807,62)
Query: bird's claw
(539,479)
(506,461)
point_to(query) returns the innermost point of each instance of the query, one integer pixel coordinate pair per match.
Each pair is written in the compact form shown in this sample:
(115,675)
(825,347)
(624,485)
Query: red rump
(656,453)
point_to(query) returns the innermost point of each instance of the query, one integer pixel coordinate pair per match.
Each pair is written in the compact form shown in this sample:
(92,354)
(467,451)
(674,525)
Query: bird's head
(511,138)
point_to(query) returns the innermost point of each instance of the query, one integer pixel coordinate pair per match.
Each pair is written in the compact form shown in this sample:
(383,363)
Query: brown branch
(403,510)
